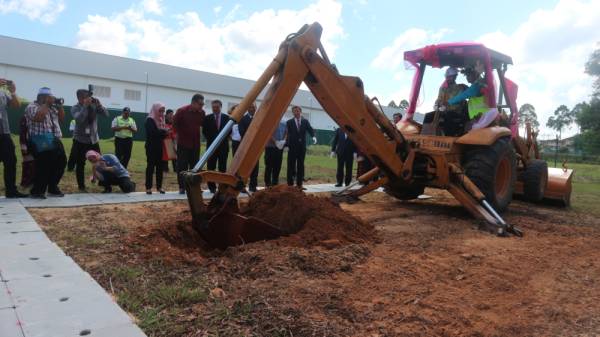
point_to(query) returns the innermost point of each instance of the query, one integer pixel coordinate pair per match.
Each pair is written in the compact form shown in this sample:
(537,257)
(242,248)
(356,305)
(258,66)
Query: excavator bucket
(559,185)
(219,223)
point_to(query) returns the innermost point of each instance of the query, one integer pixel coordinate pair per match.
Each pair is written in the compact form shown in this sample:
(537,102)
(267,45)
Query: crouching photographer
(109,171)
(43,121)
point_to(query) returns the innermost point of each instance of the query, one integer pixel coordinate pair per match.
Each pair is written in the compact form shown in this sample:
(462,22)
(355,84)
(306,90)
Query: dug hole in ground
(380,267)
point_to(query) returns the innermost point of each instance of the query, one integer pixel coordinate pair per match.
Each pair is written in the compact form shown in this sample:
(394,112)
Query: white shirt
(235,133)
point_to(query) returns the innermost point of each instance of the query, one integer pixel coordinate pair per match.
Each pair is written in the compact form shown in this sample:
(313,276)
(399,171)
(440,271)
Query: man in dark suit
(344,149)
(297,128)
(213,124)
(243,126)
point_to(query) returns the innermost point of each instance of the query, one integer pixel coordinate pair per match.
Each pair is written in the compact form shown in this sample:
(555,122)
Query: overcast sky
(549,40)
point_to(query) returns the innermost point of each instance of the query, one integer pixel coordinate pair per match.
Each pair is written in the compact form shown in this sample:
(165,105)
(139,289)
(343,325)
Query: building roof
(26,54)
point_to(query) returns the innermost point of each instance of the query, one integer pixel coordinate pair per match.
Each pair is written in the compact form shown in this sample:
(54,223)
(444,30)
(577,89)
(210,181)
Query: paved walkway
(43,292)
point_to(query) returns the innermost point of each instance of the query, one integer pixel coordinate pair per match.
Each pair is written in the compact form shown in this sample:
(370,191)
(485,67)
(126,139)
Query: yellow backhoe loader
(479,168)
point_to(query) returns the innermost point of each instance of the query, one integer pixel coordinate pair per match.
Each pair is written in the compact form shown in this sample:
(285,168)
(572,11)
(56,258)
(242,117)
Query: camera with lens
(58,101)
(95,101)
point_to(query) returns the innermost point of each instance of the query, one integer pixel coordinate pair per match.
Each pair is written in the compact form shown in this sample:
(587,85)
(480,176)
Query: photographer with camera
(85,136)
(43,122)
(7,147)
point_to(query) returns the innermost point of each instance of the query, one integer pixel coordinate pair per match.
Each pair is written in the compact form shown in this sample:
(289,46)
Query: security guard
(124,126)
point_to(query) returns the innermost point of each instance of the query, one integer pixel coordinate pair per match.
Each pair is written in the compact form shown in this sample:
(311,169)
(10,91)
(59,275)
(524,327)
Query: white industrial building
(120,81)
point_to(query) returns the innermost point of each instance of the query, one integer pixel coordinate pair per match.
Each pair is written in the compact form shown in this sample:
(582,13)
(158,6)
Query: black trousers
(49,169)
(123,148)
(344,169)
(234,145)
(124,183)
(71,162)
(218,159)
(154,165)
(8,158)
(295,165)
(80,149)
(254,178)
(186,159)
(273,160)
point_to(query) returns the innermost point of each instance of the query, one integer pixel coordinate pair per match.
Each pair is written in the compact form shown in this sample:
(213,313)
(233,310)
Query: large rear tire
(494,170)
(535,180)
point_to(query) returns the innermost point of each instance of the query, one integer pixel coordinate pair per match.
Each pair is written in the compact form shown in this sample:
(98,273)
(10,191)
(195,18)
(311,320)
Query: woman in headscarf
(155,133)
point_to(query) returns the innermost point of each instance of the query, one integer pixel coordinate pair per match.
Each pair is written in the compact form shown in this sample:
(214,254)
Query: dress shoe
(56,193)
(16,194)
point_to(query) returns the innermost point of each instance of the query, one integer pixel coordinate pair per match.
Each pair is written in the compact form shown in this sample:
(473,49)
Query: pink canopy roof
(456,54)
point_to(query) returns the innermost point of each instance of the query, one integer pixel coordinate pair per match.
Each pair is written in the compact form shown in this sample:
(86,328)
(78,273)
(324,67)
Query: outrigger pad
(227,229)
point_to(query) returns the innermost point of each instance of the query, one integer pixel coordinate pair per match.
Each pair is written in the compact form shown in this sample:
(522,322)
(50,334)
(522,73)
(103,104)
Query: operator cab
(459,118)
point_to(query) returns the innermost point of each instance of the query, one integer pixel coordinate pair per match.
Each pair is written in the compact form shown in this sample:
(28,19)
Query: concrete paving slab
(115,198)
(7,227)
(16,238)
(5,298)
(14,215)
(49,267)
(143,197)
(61,288)
(72,317)
(126,330)
(9,324)
(7,203)
(17,210)
(69,200)
(41,249)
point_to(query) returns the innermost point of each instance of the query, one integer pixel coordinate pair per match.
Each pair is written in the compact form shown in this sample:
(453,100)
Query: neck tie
(298,123)
(218,120)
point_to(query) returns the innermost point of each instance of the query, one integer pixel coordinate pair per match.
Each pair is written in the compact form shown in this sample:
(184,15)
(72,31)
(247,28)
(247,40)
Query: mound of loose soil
(310,220)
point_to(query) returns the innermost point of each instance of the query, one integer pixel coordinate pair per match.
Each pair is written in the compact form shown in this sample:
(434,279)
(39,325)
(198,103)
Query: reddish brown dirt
(172,240)
(432,273)
(310,220)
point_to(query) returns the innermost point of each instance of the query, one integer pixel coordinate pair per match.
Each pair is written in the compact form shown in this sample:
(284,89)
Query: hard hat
(451,71)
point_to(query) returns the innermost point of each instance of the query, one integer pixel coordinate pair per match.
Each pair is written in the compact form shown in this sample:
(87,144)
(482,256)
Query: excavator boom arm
(342,97)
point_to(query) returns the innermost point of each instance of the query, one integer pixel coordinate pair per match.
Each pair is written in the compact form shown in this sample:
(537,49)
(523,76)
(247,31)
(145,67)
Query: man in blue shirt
(109,171)
(274,155)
